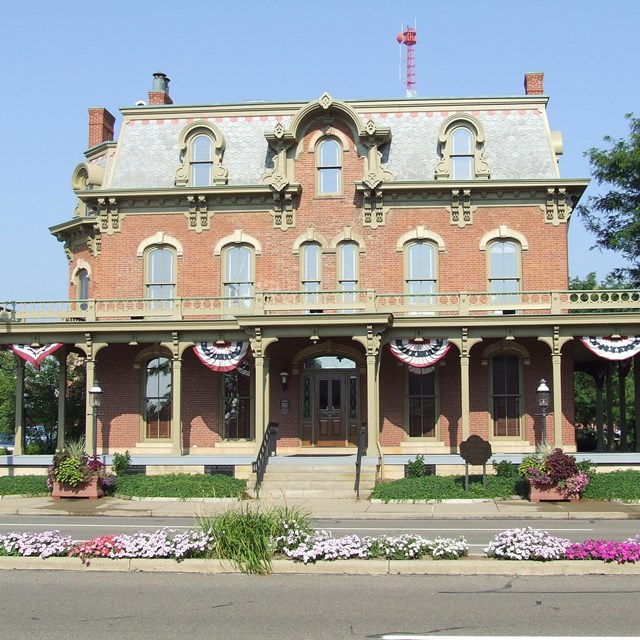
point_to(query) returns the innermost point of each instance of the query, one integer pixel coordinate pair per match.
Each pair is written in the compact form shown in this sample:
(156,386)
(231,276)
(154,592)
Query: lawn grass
(617,485)
(180,485)
(23,486)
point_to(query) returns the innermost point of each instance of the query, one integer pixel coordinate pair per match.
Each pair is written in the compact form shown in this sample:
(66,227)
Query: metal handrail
(362,449)
(267,449)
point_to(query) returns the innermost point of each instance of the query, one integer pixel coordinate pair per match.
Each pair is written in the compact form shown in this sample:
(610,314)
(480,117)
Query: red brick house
(399,264)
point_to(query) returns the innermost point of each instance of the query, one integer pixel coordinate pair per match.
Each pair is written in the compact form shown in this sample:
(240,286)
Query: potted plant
(76,474)
(553,475)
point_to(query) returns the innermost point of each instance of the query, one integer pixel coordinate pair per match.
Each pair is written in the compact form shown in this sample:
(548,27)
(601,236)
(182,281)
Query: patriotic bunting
(34,355)
(221,357)
(610,348)
(419,354)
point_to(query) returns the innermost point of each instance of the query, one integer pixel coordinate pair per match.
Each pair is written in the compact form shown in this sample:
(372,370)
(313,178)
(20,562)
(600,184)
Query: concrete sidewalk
(321,508)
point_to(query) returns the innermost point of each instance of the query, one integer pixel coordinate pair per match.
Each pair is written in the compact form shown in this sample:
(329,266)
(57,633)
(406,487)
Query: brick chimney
(533,83)
(100,126)
(159,94)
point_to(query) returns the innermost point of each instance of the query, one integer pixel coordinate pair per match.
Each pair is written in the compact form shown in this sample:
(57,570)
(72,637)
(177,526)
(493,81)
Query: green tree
(614,216)
(7,392)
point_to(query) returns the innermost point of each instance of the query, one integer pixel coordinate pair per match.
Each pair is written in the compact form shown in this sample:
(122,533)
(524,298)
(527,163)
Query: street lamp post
(95,395)
(542,396)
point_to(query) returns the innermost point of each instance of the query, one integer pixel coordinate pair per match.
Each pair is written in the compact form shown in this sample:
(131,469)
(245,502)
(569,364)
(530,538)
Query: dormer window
(461,149)
(201,161)
(329,163)
(462,154)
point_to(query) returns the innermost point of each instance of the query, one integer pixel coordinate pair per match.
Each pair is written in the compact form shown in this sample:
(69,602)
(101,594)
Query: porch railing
(362,448)
(267,449)
(325,302)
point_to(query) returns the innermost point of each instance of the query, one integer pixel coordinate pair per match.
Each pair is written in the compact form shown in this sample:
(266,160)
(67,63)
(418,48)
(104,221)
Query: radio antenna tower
(408,38)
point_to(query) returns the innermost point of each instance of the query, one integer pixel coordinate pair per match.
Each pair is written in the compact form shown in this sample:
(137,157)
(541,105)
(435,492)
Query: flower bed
(301,546)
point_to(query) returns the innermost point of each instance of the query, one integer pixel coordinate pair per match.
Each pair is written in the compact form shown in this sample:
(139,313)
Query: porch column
(623,370)
(636,388)
(88,413)
(260,409)
(611,436)
(19,435)
(464,396)
(176,405)
(556,363)
(62,399)
(373,405)
(599,382)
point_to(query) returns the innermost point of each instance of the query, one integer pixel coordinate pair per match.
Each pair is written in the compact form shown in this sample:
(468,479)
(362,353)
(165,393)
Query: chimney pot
(159,93)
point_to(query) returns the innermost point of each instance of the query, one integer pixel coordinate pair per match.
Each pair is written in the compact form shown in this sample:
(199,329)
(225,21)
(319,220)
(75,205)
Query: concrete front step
(311,493)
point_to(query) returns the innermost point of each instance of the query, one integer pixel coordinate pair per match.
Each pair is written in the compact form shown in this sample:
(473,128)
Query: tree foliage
(614,216)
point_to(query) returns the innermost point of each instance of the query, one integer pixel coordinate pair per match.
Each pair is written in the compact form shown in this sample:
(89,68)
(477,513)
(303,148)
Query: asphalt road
(477,532)
(60,605)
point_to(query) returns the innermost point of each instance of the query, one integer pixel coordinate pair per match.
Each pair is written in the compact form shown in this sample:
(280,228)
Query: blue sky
(60,57)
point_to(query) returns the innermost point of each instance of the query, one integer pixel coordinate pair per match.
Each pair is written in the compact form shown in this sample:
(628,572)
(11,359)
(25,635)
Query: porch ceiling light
(284,377)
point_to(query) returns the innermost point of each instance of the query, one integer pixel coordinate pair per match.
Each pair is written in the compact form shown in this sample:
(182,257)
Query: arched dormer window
(201,161)
(202,148)
(461,148)
(329,167)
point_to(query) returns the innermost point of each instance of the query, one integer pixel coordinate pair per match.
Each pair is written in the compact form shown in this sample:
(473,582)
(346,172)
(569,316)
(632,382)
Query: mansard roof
(518,143)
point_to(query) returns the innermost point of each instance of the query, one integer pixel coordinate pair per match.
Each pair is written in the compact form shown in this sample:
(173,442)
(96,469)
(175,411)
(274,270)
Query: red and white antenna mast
(408,38)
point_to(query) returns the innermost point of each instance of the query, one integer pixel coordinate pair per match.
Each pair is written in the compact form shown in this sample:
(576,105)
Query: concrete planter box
(540,492)
(90,490)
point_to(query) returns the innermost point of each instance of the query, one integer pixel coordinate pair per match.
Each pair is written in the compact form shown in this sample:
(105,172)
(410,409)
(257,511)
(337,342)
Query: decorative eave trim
(74,227)
(100,149)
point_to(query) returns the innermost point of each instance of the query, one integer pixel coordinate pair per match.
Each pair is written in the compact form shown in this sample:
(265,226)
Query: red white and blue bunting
(419,354)
(610,348)
(34,355)
(221,357)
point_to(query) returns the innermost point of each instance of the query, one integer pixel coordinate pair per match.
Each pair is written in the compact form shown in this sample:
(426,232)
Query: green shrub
(448,487)
(416,468)
(23,485)
(122,463)
(616,485)
(505,469)
(181,485)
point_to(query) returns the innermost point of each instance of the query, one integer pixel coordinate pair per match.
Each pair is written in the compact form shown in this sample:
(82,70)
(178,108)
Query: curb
(470,566)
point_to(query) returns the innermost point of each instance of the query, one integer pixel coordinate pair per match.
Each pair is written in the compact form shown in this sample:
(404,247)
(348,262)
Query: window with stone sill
(238,278)
(421,272)
(347,269)
(504,270)
(160,276)
(311,270)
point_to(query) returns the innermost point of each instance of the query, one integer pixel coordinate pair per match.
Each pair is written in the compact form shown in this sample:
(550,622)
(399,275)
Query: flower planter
(539,492)
(91,490)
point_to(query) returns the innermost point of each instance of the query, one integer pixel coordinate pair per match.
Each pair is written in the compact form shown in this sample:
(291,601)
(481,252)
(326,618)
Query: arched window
(420,272)
(421,401)
(238,275)
(461,149)
(348,253)
(504,271)
(160,280)
(310,269)
(157,398)
(506,396)
(462,154)
(237,404)
(201,161)
(329,164)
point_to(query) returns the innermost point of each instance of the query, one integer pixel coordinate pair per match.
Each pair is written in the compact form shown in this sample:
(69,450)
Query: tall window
(462,154)
(310,269)
(237,404)
(504,271)
(82,283)
(505,395)
(238,275)
(201,161)
(348,270)
(420,268)
(157,398)
(160,281)
(421,400)
(329,163)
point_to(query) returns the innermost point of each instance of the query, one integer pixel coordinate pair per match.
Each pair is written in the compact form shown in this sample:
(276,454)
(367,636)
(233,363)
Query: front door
(331,416)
